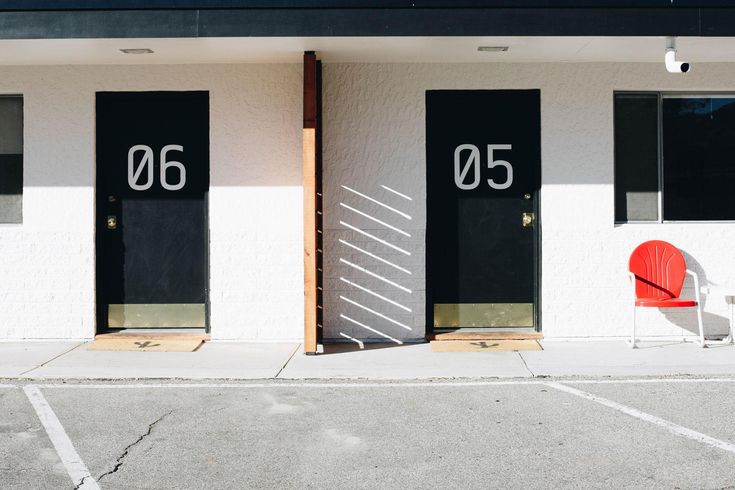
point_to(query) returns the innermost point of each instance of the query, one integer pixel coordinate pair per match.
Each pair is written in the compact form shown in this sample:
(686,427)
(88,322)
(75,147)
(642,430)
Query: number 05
(471,167)
(492,163)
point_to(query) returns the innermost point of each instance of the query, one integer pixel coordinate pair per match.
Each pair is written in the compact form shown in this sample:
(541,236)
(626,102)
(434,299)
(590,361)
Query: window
(11,159)
(636,157)
(674,157)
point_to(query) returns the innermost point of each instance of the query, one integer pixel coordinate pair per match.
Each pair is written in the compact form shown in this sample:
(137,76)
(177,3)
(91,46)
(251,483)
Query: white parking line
(653,380)
(675,429)
(74,465)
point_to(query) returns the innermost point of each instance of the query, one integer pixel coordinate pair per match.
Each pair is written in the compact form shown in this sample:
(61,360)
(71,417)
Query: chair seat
(665,303)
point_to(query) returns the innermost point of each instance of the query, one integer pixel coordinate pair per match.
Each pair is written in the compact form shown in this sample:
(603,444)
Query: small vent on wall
(493,49)
(136,50)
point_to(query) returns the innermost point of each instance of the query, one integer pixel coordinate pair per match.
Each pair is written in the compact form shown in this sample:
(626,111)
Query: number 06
(146,163)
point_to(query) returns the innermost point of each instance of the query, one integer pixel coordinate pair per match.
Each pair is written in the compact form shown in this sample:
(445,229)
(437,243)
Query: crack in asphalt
(120,460)
(81,482)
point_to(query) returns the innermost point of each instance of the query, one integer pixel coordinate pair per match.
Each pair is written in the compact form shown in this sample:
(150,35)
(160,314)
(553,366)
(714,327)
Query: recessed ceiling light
(137,50)
(492,49)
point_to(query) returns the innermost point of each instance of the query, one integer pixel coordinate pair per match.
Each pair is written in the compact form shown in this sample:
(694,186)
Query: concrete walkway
(241,360)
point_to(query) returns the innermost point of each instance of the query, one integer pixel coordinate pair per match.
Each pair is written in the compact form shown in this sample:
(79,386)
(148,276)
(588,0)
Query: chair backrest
(659,269)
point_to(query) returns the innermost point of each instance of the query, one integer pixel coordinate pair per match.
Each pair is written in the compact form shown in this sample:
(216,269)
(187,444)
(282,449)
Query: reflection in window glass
(636,157)
(11,159)
(699,158)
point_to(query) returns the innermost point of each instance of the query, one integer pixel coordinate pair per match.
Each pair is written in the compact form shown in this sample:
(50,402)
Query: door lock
(112,222)
(527,219)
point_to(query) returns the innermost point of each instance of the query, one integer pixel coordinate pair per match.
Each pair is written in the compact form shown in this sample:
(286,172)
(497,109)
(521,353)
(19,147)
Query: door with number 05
(483,173)
(152,185)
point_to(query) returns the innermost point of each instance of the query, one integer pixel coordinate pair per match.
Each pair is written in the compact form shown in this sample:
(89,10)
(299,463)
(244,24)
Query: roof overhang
(355,49)
(97,19)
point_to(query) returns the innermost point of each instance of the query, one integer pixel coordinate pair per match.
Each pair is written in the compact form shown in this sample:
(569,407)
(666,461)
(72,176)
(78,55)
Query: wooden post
(310,160)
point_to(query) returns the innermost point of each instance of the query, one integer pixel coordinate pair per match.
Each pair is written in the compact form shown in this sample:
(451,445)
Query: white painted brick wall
(374,136)
(374,124)
(47,263)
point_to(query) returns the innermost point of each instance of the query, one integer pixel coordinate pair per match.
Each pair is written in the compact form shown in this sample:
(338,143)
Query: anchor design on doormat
(484,345)
(147,343)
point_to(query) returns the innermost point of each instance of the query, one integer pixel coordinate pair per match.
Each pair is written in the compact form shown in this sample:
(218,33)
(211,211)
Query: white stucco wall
(374,130)
(47,270)
(374,144)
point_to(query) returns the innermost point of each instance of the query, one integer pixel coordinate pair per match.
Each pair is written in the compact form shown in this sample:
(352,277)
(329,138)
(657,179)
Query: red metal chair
(657,271)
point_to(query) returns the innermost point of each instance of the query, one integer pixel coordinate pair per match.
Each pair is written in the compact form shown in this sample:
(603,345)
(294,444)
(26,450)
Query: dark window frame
(659,159)
(661,167)
(21,97)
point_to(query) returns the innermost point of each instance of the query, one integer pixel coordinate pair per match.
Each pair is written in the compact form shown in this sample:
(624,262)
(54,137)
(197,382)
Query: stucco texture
(374,198)
(47,271)
(374,124)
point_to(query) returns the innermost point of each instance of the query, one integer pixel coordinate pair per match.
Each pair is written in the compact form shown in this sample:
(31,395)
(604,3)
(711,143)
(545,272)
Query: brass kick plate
(156,315)
(457,315)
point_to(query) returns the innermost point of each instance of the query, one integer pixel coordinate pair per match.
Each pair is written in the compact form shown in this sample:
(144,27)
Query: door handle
(527,219)
(112,222)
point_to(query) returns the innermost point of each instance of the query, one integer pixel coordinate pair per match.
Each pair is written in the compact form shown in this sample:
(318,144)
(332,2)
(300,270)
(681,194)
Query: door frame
(100,308)
(536,248)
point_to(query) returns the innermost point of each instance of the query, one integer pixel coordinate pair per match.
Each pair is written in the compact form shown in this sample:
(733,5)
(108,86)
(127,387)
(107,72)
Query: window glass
(699,158)
(636,157)
(11,159)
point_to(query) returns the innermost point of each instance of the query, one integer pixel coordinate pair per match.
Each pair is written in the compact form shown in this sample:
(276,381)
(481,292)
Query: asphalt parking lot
(593,433)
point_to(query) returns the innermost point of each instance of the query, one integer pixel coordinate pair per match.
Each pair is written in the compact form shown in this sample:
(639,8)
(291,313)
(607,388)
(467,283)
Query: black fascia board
(450,22)
(60,5)
(317,22)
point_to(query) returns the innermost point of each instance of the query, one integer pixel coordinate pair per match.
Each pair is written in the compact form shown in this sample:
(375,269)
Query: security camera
(673,66)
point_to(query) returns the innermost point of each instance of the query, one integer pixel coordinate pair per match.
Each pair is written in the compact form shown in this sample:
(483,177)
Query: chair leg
(701,326)
(632,337)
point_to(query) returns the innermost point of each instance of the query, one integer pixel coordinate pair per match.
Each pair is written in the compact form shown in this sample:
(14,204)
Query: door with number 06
(152,185)
(483,173)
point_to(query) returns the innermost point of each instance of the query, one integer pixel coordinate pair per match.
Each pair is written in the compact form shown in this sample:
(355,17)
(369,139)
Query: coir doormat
(147,343)
(484,345)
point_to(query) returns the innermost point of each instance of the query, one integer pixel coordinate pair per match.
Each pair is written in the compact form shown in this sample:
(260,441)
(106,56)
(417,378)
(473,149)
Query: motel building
(375,171)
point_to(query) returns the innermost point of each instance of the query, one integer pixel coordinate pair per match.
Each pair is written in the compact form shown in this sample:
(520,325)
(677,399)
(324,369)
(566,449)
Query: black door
(483,175)
(152,184)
